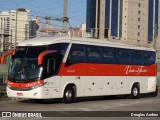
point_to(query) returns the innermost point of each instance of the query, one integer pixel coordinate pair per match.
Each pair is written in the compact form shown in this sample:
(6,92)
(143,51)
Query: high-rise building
(131,21)
(20,25)
(33,27)
(16,26)
(5,32)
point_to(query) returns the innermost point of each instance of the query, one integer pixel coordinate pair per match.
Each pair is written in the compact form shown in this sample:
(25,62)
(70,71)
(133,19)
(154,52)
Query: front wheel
(69,95)
(135,92)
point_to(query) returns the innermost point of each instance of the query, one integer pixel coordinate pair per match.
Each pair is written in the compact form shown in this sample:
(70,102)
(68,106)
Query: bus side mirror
(43,54)
(5,55)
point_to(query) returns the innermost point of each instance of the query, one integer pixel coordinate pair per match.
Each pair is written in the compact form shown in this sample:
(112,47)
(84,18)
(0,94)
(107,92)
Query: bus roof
(39,41)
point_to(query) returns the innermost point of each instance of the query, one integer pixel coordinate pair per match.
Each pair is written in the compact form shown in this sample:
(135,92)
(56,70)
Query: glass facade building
(117,18)
(91,15)
(111,6)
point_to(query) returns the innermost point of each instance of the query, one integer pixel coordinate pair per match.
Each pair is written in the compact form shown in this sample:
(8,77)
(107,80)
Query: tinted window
(29,52)
(109,55)
(51,66)
(77,54)
(93,54)
(33,52)
(137,57)
(124,56)
(149,57)
(60,47)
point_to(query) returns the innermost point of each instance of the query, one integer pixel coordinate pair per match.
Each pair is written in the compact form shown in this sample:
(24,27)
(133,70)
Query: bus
(67,68)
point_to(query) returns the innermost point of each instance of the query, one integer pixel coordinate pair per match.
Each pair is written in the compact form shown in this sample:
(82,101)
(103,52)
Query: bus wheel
(135,93)
(69,95)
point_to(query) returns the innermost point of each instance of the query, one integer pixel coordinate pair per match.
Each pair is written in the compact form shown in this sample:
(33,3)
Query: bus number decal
(71,71)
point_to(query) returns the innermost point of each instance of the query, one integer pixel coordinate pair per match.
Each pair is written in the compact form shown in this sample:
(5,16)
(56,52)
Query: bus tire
(69,95)
(135,92)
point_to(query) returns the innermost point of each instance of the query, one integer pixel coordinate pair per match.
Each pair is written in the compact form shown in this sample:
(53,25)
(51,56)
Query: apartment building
(5,31)
(16,26)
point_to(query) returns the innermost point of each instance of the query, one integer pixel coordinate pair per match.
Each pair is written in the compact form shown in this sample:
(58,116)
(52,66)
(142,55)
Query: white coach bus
(64,67)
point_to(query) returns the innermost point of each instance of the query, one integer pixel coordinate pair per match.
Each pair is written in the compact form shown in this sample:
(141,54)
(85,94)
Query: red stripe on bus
(24,85)
(89,69)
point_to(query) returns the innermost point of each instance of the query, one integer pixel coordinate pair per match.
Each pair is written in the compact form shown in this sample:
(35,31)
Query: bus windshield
(24,66)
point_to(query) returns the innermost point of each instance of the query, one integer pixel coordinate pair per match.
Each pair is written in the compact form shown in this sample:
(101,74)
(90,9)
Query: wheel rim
(69,95)
(135,91)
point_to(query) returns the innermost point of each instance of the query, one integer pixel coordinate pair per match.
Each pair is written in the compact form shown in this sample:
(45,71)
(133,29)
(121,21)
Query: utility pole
(65,15)
(63,19)
(16,27)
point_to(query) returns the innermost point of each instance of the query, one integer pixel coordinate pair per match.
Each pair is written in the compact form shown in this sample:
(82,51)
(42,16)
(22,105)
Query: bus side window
(93,54)
(49,68)
(77,54)
(149,57)
(109,55)
(124,56)
(137,57)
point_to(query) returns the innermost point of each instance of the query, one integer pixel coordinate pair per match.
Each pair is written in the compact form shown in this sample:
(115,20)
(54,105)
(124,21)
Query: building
(5,31)
(16,26)
(83,30)
(33,27)
(130,21)
(75,32)
(20,25)
(49,30)
(79,31)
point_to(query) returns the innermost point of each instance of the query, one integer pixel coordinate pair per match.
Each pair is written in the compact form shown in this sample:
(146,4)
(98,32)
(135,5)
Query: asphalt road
(95,106)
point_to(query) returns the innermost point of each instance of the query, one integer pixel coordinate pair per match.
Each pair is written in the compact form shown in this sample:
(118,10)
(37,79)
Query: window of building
(139,26)
(139,12)
(139,4)
(138,33)
(139,19)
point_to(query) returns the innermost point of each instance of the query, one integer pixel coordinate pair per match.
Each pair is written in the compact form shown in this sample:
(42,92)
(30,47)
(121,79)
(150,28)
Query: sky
(53,8)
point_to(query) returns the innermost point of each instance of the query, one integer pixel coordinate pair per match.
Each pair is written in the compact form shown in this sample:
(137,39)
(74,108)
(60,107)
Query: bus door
(51,66)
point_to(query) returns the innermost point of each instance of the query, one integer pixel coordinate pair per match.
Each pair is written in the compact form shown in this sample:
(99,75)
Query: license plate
(19,94)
